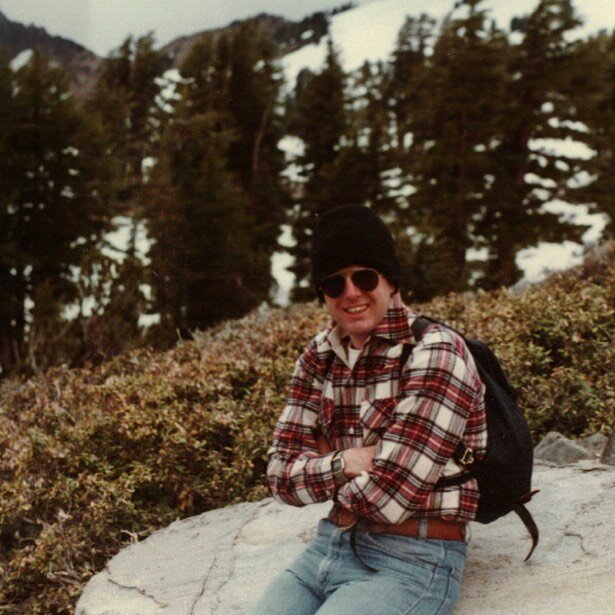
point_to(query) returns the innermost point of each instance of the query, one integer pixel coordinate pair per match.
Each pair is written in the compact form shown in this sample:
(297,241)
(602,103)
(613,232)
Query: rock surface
(219,562)
(608,454)
(558,449)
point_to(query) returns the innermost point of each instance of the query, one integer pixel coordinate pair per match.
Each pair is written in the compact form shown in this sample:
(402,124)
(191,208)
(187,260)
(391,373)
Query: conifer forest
(440,140)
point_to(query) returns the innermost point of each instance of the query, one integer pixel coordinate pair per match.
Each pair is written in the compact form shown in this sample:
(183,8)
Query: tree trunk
(10,354)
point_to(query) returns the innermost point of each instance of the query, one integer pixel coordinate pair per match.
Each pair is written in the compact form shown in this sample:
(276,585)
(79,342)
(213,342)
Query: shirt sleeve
(297,473)
(440,388)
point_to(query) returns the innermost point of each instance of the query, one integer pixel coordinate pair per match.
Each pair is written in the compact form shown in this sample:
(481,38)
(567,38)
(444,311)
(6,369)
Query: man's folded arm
(441,390)
(300,466)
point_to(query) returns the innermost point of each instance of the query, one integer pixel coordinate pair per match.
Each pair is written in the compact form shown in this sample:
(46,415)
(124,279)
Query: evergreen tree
(453,127)
(594,86)
(371,138)
(215,197)
(319,118)
(201,259)
(234,80)
(404,84)
(254,157)
(52,207)
(126,102)
(12,286)
(539,104)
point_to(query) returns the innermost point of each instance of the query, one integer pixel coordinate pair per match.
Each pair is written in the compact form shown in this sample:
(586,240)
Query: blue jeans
(414,575)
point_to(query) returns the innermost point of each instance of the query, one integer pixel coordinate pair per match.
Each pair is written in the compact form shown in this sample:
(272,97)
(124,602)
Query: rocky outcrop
(558,449)
(608,454)
(219,562)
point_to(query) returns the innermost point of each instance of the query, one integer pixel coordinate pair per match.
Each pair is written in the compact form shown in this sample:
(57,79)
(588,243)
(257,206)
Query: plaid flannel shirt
(415,415)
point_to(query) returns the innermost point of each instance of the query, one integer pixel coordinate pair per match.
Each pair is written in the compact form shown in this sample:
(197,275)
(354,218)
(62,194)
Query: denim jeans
(414,575)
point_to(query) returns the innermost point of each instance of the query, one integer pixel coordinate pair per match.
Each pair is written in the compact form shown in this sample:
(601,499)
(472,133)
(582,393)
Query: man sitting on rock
(371,423)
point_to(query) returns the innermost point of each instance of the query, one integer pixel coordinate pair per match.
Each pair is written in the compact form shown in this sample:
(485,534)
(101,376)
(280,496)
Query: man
(371,423)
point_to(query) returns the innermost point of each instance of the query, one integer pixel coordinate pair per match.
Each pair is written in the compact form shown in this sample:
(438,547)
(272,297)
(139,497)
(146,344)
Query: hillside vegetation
(94,459)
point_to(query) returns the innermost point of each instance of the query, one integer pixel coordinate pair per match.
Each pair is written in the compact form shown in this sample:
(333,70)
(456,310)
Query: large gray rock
(558,449)
(218,563)
(594,444)
(608,454)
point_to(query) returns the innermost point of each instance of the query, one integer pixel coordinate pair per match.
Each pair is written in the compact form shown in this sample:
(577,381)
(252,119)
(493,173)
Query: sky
(102,25)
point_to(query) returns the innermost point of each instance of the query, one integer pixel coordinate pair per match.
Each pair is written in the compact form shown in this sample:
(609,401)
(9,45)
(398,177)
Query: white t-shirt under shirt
(353,355)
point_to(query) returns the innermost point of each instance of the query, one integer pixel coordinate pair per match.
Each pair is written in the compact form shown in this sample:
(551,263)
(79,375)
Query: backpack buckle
(467,458)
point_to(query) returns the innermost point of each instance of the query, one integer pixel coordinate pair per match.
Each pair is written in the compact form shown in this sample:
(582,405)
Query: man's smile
(357,309)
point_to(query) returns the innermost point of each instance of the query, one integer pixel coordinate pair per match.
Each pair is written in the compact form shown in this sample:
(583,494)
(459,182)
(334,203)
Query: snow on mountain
(21,59)
(369,33)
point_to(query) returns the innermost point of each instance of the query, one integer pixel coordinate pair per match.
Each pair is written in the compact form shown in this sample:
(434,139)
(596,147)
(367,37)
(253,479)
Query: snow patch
(280,262)
(293,147)
(118,240)
(537,262)
(21,59)
(563,147)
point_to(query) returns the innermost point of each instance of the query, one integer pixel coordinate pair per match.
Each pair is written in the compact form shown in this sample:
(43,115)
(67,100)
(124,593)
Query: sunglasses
(364,279)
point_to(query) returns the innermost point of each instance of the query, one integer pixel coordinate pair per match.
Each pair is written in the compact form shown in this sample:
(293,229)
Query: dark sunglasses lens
(333,286)
(365,279)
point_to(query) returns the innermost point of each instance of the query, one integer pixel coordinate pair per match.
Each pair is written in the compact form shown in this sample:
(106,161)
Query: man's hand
(357,460)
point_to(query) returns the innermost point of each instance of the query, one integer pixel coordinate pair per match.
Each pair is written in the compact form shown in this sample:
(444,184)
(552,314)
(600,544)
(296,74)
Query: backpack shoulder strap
(462,454)
(419,326)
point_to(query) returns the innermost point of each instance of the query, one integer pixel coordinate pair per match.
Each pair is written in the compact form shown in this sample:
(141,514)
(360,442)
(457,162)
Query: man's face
(359,312)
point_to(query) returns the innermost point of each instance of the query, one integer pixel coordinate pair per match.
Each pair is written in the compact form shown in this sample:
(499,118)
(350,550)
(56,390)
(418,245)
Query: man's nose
(350,290)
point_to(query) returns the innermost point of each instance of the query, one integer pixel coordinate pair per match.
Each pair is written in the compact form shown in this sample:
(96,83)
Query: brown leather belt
(437,529)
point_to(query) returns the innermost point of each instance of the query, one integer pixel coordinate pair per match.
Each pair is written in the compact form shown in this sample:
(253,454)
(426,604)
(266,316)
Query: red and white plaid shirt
(415,416)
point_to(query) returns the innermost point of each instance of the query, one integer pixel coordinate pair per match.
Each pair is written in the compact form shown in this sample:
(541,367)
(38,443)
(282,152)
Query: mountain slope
(80,63)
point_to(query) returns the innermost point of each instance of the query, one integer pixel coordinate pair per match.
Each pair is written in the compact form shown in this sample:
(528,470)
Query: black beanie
(353,235)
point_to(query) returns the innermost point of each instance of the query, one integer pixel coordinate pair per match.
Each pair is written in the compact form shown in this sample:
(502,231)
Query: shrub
(93,459)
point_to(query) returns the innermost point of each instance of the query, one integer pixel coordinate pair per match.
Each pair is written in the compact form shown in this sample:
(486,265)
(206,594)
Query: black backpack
(504,476)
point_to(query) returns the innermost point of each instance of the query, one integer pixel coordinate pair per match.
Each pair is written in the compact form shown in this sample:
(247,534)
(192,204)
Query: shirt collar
(394,328)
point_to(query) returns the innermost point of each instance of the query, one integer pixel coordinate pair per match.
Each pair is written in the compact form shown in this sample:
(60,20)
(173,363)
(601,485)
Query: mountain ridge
(83,65)
(80,63)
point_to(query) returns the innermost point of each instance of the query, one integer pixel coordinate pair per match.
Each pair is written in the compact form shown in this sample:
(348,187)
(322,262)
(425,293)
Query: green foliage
(96,458)
(202,257)
(318,116)
(52,202)
(126,102)
(215,200)
(595,88)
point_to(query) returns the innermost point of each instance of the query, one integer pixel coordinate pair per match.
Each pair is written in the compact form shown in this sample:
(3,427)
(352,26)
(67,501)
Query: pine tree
(404,83)
(235,78)
(319,118)
(453,126)
(371,139)
(201,259)
(539,104)
(215,196)
(12,285)
(253,101)
(125,100)
(594,87)
(52,210)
